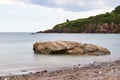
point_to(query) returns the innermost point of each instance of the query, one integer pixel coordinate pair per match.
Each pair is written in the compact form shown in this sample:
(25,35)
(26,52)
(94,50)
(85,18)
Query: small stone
(23,70)
(44,71)
(79,64)
(30,73)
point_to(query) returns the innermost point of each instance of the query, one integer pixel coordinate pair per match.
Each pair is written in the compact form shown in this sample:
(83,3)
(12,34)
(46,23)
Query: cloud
(67,5)
(76,5)
(23,15)
(9,2)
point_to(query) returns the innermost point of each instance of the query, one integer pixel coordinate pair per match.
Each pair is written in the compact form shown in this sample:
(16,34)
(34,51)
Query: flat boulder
(69,47)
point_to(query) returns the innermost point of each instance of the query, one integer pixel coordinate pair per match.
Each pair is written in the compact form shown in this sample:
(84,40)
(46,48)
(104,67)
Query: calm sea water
(16,50)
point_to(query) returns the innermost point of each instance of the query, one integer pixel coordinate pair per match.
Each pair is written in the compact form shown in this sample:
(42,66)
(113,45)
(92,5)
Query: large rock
(68,47)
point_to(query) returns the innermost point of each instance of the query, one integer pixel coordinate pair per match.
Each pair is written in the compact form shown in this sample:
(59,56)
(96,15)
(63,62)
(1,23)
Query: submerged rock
(69,47)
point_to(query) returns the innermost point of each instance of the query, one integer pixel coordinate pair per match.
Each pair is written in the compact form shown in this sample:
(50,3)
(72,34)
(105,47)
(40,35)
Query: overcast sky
(36,15)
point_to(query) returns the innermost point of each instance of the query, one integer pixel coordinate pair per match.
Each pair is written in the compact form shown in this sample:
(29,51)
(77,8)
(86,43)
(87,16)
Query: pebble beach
(95,71)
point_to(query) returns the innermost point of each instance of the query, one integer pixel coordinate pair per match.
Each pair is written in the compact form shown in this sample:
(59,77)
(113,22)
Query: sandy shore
(95,71)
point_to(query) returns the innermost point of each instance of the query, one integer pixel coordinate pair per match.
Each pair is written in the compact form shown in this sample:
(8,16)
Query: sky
(38,15)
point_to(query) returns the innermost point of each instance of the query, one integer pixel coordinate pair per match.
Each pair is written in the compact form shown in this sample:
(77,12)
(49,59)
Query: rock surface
(68,47)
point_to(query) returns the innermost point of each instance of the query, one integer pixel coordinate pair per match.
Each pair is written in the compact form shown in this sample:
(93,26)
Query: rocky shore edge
(95,71)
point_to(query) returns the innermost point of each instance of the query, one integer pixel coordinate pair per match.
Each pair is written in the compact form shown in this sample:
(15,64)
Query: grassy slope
(99,20)
(109,22)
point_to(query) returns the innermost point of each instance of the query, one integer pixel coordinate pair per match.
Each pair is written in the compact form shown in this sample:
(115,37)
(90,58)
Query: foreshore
(95,71)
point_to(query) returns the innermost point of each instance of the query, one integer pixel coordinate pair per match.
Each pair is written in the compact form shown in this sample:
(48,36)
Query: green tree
(117,9)
(67,20)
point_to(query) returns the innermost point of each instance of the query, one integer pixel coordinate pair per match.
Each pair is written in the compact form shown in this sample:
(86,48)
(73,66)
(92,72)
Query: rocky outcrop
(102,23)
(87,28)
(68,47)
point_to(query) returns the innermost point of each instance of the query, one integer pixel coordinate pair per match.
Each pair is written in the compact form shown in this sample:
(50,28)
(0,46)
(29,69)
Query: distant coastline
(103,23)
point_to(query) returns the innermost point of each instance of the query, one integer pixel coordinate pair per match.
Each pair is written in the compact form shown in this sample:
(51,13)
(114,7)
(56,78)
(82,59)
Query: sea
(16,50)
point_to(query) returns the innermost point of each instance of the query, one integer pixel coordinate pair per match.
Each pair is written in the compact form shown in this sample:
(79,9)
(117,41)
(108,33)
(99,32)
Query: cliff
(103,23)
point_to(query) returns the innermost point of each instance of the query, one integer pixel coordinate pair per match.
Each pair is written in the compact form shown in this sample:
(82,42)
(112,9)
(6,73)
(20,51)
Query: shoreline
(109,70)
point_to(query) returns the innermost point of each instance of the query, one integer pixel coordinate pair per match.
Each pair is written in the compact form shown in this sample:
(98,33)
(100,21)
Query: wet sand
(95,71)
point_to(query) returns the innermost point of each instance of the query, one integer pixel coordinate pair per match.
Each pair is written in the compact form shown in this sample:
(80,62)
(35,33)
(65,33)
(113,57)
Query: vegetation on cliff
(103,23)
